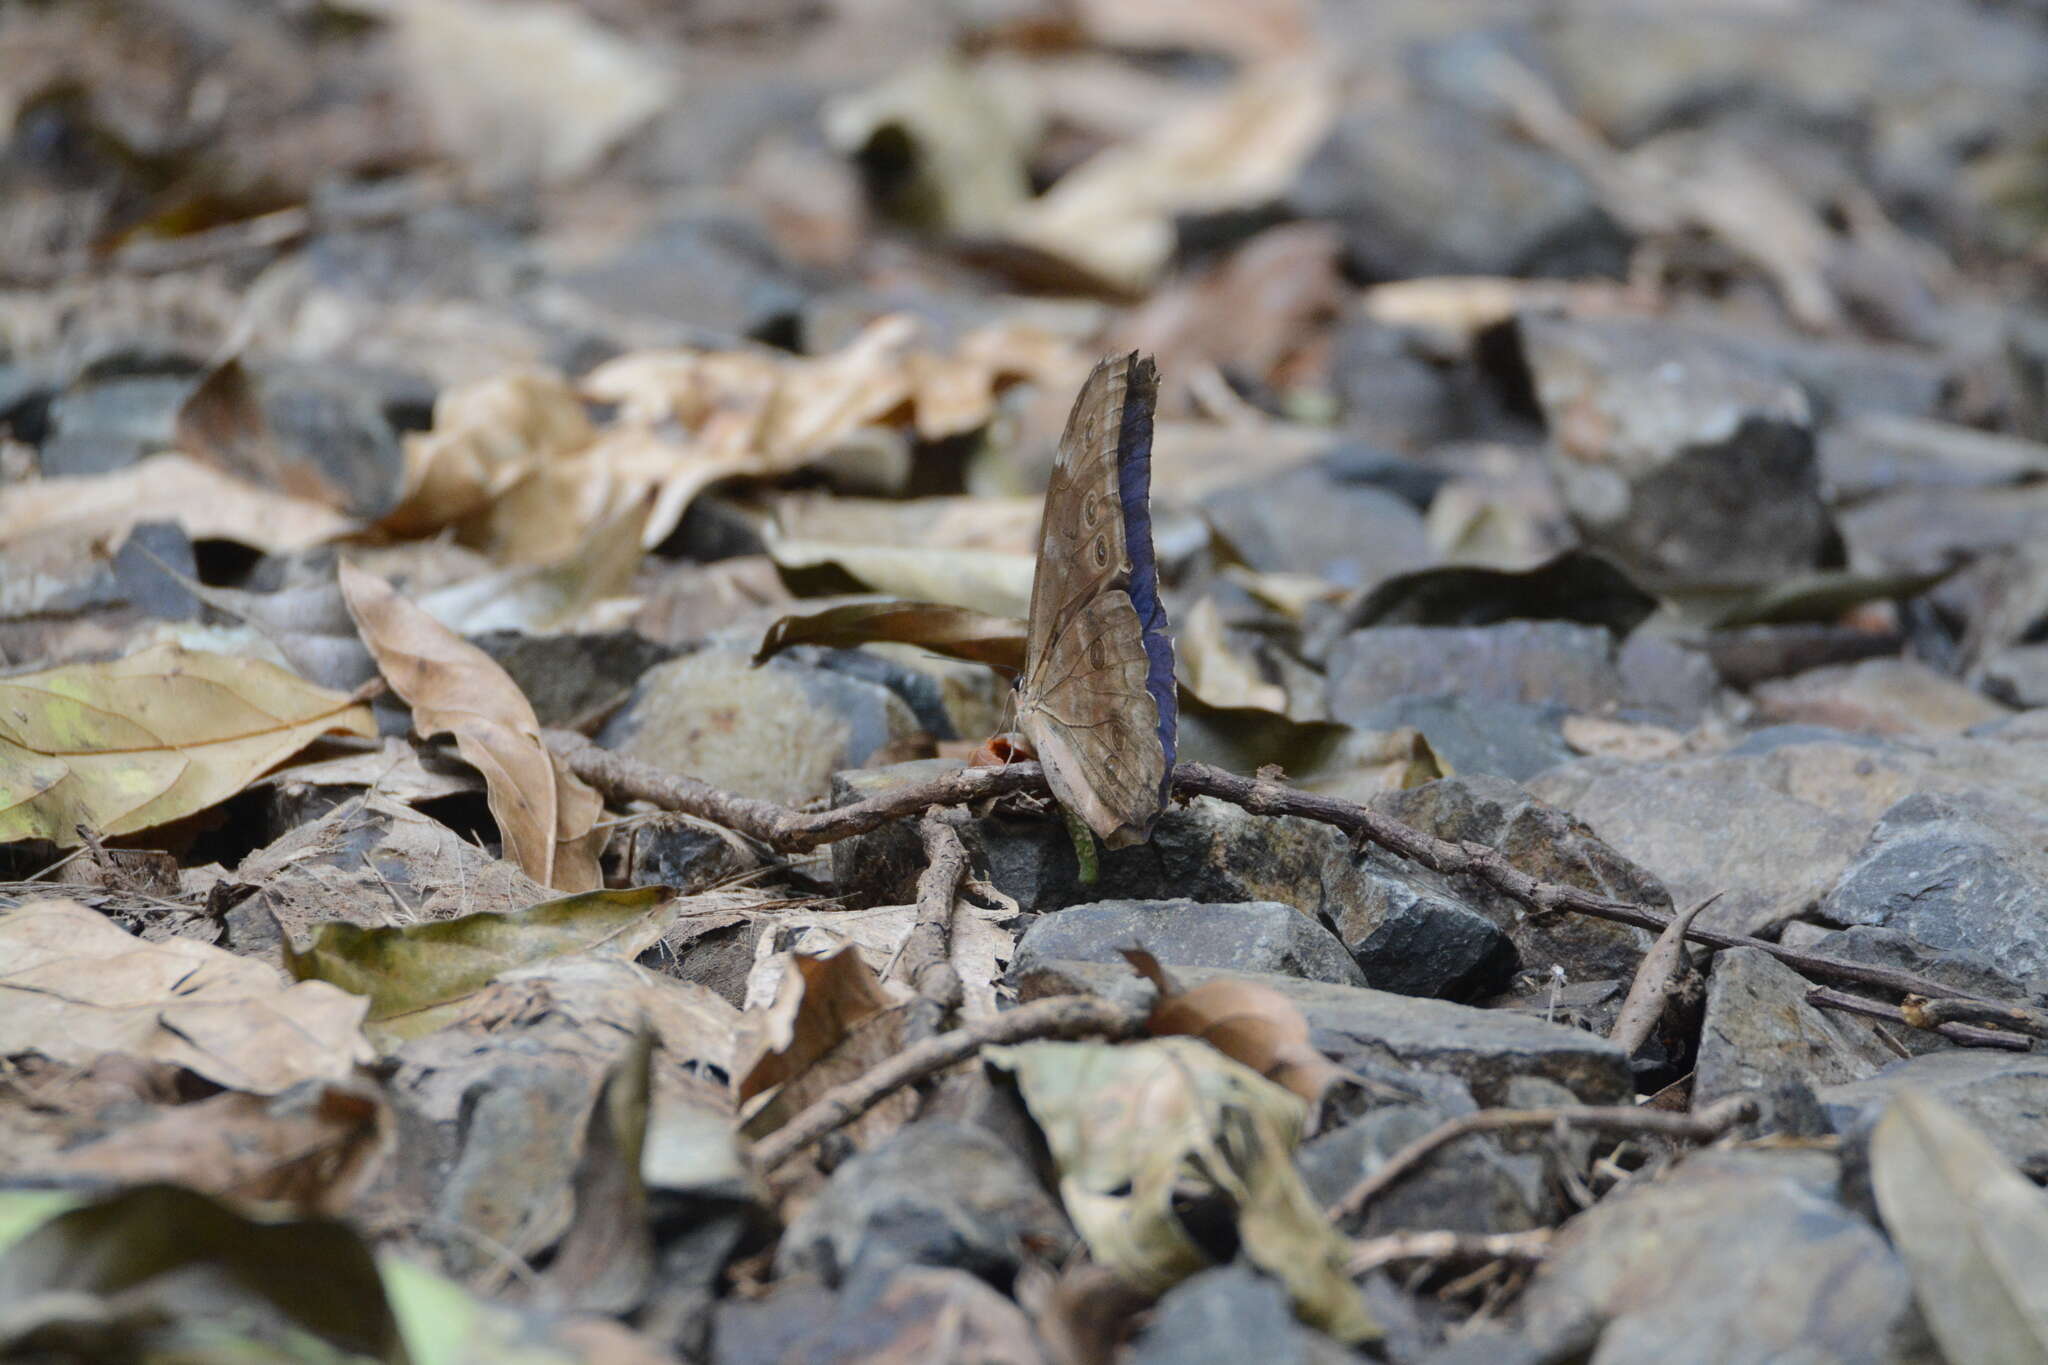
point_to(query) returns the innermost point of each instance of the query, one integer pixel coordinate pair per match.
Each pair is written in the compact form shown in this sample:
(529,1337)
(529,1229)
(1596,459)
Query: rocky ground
(515,513)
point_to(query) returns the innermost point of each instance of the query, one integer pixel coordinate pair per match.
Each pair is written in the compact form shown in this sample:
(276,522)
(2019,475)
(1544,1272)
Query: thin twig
(1644,1005)
(1371,1253)
(1062,1016)
(926,955)
(626,779)
(1964,1034)
(1921,1012)
(1710,1122)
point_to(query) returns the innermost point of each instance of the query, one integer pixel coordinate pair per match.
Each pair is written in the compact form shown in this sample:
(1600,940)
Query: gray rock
(1682,458)
(685,282)
(778,731)
(1769,1266)
(668,850)
(1548,844)
(1922,530)
(1507,739)
(572,678)
(1390,394)
(106,422)
(1759,1031)
(2004,1095)
(1960,876)
(1666,679)
(1486,1049)
(889,1315)
(1227,1316)
(1410,935)
(934,1194)
(1430,189)
(1253,936)
(1891,948)
(1881,696)
(1305,521)
(2016,675)
(1776,848)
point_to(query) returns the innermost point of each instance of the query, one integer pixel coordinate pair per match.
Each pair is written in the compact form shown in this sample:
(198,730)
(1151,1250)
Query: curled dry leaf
(207,503)
(956,632)
(128,745)
(983,581)
(75,986)
(546,814)
(1970,1228)
(1254,1024)
(406,971)
(1136,1128)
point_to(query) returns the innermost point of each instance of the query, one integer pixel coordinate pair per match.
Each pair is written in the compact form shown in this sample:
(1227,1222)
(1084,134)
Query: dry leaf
(956,632)
(74,986)
(208,504)
(406,971)
(1254,1024)
(1971,1230)
(979,580)
(128,745)
(547,815)
(486,437)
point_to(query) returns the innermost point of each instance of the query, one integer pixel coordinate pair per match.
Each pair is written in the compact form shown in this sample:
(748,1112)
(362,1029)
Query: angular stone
(1409,934)
(778,731)
(107,421)
(1559,662)
(935,1194)
(1759,1031)
(1507,739)
(1883,696)
(1485,1049)
(1303,520)
(1227,1316)
(1682,457)
(1962,877)
(2004,1095)
(1768,1266)
(1549,845)
(2016,675)
(1252,936)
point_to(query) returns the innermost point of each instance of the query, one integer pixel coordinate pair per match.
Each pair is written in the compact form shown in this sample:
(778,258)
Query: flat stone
(1253,936)
(2016,675)
(1507,739)
(777,732)
(1548,844)
(1759,1032)
(1485,1049)
(572,678)
(1961,876)
(1682,457)
(1882,696)
(1227,1316)
(934,1193)
(1304,520)
(1769,1266)
(2004,1095)
(1558,662)
(1409,934)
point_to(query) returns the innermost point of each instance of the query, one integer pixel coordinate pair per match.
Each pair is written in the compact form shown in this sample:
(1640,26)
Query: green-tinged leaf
(1132,1127)
(956,632)
(128,745)
(1823,595)
(1084,846)
(990,581)
(407,971)
(1971,1228)
(1577,585)
(159,1272)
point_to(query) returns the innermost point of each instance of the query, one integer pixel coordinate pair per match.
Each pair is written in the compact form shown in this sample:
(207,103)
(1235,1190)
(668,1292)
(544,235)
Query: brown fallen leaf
(547,815)
(956,632)
(138,742)
(1644,1006)
(207,503)
(1254,1024)
(74,986)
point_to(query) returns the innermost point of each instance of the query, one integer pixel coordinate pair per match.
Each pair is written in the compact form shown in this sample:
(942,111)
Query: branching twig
(626,779)
(1710,1122)
(1371,1253)
(1964,1034)
(1064,1016)
(1644,1006)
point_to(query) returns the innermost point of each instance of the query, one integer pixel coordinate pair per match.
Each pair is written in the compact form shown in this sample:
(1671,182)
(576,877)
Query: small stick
(1371,1253)
(1964,1034)
(1647,993)
(926,955)
(1921,1012)
(1710,1122)
(1061,1016)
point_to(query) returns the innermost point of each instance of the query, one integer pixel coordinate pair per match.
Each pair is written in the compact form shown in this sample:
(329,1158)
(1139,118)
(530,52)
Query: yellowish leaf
(128,745)
(207,503)
(546,815)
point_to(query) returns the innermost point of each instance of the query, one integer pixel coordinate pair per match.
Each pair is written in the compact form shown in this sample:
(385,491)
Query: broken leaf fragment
(137,742)
(956,632)
(1133,1127)
(408,971)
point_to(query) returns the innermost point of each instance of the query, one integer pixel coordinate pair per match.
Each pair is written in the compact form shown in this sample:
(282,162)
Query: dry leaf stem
(1064,1016)
(625,779)
(1951,1028)
(1710,1122)
(1369,1254)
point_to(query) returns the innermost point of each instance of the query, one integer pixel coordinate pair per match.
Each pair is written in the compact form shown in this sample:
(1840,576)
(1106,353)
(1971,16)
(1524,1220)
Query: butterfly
(1096,698)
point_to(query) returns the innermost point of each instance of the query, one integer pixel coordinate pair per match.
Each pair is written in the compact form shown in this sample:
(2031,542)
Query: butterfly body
(1096,699)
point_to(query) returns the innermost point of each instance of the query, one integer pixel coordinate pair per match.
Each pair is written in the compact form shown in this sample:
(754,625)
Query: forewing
(1081,550)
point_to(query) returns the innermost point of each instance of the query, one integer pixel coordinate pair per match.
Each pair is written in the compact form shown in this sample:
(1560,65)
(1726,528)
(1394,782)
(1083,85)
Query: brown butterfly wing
(1094,723)
(1090,696)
